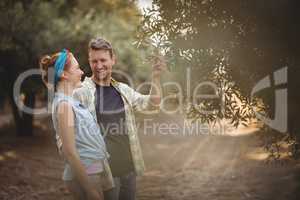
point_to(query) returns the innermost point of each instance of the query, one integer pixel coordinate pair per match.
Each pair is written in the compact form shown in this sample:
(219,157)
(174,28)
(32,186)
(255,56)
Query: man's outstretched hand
(159,65)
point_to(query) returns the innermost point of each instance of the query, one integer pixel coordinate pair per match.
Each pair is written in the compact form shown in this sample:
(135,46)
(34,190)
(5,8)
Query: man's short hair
(101,44)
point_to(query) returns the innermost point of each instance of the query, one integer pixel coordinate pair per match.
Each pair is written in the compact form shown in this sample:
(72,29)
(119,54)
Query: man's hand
(159,65)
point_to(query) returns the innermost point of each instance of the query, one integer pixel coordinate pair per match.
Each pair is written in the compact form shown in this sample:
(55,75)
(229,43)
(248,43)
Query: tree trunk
(27,118)
(23,121)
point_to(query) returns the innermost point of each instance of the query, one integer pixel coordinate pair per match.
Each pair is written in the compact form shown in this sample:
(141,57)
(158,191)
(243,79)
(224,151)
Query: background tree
(232,43)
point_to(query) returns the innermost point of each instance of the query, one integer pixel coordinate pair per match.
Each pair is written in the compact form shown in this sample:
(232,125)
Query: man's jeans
(125,188)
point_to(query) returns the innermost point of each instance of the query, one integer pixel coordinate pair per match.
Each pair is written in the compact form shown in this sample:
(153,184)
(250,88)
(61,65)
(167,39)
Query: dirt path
(179,166)
(228,167)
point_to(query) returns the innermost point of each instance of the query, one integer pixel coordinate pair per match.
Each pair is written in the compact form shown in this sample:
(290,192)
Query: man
(113,104)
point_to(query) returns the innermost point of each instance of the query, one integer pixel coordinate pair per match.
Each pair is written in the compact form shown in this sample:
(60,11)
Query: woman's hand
(93,194)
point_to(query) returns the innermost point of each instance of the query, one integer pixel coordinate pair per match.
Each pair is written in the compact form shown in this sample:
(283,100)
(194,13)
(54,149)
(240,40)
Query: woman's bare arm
(67,134)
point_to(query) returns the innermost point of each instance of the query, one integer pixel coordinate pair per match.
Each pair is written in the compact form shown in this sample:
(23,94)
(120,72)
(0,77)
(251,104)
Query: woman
(78,136)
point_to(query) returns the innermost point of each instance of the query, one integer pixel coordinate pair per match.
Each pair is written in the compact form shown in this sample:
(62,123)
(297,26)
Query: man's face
(101,64)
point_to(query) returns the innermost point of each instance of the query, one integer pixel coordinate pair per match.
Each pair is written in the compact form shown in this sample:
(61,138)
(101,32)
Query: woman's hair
(47,63)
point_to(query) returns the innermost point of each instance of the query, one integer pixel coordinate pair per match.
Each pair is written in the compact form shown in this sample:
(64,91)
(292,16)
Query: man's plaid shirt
(133,101)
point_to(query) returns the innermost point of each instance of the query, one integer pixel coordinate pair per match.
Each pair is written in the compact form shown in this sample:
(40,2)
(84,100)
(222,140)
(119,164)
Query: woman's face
(74,73)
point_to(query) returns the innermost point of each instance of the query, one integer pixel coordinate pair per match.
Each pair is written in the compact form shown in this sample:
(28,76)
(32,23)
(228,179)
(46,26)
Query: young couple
(98,167)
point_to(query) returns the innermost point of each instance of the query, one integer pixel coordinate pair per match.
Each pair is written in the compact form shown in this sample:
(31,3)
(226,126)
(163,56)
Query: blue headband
(60,64)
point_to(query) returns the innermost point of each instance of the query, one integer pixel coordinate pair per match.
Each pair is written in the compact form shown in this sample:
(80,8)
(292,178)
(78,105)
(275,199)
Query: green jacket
(133,101)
